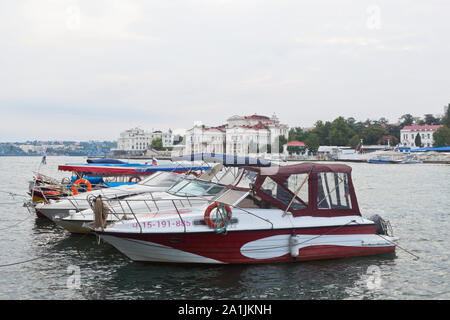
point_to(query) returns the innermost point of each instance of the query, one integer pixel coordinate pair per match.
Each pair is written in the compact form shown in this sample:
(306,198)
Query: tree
(406,120)
(354,141)
(388,139)
(431,120)
(418,141)
(281,141)
(442,137)
(446,119)
(372,134)
(322,130)
(312,142)
(340,132)
(157,144)
(296,133)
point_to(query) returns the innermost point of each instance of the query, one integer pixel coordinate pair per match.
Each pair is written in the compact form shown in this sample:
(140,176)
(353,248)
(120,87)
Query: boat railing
(123,209)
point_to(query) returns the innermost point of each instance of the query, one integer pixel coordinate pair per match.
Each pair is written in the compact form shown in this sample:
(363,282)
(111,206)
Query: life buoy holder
(213,224)
(135,178)
(77,182)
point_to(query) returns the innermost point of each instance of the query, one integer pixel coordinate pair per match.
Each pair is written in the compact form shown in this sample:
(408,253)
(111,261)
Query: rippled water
(415,198)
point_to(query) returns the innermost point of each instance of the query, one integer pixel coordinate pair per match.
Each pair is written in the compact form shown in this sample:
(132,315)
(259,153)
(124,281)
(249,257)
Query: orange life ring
(207,218)
(77,182)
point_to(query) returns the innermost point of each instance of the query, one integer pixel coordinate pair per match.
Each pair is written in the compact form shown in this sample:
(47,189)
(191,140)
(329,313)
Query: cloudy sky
(89,69)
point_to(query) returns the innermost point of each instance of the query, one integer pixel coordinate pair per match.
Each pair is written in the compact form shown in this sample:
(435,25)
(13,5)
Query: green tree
(340,132)
(418,141)
(394,131)
(431,120)
(406,120)
(157,144)
(372,134)
(281,141)
(312,142)
(388,139)
(442,137)
(446,119)
(322,130)
(354,141)
(296,133)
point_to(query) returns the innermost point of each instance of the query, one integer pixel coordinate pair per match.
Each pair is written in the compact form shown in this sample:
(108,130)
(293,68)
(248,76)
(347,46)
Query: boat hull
(251,246)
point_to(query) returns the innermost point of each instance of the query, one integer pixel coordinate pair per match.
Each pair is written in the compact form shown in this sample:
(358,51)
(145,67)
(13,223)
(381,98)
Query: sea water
(41,261)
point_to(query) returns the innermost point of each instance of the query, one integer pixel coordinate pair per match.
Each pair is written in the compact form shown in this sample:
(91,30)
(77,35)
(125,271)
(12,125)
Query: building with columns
(137,141)
(241,135)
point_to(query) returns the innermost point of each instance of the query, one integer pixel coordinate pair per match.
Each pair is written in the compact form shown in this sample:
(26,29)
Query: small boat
(411,159)
(273,214)
(384,159)
(62,207)
(186,192)
(159,178)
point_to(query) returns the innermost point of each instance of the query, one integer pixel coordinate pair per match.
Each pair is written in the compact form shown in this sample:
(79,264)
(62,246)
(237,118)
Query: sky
(90,69)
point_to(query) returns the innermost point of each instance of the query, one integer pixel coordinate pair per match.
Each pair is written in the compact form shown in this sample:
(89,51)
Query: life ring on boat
(208,210)
(137,179)
(77,182)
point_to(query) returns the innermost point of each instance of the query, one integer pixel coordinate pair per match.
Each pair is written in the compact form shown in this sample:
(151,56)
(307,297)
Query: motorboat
(384,159)
(160,179)
(60,208)
(96,174)
(191,191)
(289,213)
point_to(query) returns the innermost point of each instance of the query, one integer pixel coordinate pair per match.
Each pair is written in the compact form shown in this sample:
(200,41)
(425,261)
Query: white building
(408,135)
(134,140)
(137,141)
(241,135)
(201,139)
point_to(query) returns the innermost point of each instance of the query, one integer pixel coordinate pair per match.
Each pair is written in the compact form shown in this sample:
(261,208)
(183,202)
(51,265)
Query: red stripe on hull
(227,247)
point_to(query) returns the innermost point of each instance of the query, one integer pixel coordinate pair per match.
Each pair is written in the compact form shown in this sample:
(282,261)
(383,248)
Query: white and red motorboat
(290,213)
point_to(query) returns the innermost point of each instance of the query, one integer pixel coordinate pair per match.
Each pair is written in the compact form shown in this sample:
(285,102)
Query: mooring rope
(14,194)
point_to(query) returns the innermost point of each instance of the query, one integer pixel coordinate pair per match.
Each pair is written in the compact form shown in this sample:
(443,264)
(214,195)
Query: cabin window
(282,194)
(298,184)
(333,191)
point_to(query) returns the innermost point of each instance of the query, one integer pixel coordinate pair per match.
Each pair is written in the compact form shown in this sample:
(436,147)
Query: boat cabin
(306,189)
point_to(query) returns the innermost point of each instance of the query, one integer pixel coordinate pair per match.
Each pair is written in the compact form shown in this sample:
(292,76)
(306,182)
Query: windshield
(246,179)
(195,188)
(165,179)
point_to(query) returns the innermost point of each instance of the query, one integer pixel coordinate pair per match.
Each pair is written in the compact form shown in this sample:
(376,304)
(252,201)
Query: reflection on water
(413,198)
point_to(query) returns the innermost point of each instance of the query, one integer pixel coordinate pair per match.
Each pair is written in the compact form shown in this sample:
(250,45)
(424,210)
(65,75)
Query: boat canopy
(226,159)
(127,169)
(308,189)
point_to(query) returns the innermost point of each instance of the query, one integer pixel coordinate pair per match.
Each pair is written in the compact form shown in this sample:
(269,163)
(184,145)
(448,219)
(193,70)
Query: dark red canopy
(280,174)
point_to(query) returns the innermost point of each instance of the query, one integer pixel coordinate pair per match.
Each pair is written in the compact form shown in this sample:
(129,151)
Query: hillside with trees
(350,132)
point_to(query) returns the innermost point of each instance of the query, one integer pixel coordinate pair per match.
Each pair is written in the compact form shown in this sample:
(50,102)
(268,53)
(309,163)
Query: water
(415,198)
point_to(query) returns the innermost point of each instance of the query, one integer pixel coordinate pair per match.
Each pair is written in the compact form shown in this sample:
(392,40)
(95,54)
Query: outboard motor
(382,226)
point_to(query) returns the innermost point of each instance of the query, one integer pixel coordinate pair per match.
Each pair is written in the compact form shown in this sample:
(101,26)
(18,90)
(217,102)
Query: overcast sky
(81,70)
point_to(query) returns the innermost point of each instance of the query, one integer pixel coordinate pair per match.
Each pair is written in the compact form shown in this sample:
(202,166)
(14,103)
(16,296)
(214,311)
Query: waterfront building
(241,135)
(408,135)
(137,141)
(202,139)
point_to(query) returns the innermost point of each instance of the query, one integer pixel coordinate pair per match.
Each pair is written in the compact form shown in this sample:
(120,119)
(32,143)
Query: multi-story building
(408,135)
(241,135)
(201,139)
(138,141)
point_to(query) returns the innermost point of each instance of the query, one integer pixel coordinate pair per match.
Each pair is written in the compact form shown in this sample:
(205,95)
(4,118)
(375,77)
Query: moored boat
(291,213)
